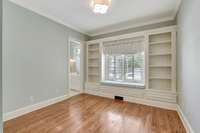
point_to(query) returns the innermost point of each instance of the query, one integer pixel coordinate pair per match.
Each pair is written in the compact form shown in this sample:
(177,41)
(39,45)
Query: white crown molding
(177,8)
(31,108)
(133,34)
(124,26)
(49,17)
(184,120)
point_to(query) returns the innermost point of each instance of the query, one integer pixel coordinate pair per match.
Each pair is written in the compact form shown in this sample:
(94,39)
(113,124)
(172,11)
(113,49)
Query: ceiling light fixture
(100,6)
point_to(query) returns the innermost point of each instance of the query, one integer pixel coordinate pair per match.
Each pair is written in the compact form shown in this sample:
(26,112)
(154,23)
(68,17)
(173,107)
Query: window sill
(120,84)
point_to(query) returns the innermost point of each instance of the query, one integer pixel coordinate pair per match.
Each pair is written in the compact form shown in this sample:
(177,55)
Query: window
(74,58)
(123,62)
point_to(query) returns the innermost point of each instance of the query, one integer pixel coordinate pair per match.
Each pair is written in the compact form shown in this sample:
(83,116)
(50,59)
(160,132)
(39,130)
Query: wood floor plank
(92,114)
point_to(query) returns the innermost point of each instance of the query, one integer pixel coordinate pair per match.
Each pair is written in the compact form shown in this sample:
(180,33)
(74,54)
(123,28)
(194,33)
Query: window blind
(124,46)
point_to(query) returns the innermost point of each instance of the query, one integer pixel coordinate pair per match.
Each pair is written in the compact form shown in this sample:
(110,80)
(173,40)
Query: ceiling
(122,14)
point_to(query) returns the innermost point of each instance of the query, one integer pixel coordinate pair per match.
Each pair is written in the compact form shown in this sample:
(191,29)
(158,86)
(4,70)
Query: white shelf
(93,74)
(93,50)
(160,66)
(160,77)
(93,66)
(165,90)
(159,90)
(159,83)
(93,58)
(93,63)
(160,54)
(160,61)
(160,42)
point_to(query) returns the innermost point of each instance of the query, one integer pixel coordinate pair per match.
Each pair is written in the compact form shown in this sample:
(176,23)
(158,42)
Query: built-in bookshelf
(161,61)
(93,63)
(160,67)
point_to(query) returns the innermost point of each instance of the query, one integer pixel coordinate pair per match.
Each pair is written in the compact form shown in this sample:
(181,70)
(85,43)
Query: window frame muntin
(124,83)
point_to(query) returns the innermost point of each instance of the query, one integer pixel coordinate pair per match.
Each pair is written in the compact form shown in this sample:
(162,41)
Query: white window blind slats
(124,46)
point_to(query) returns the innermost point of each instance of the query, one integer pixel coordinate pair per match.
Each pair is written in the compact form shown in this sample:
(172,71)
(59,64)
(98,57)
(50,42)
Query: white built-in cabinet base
(142,96)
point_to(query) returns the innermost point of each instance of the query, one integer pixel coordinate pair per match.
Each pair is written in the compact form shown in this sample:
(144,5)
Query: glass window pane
(75,59)
(125,68)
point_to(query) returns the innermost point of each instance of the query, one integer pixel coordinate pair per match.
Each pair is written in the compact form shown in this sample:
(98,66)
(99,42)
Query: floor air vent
(119,98)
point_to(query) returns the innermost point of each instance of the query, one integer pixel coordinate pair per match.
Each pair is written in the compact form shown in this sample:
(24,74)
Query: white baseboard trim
(184,120)
(164,105)
(31,108)
(169,106)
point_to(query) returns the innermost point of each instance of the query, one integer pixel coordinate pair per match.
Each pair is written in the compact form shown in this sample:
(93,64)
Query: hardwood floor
(92,114)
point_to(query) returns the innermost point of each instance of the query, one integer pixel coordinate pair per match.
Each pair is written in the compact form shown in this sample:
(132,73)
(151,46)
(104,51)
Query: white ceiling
(122,14)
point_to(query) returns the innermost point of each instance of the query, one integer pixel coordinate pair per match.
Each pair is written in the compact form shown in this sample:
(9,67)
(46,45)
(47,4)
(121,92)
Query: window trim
(121,84)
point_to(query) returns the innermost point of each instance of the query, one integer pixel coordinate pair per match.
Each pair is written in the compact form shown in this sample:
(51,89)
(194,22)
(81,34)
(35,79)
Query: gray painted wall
(1,130)
(188,57)
(135,29)
(34,57)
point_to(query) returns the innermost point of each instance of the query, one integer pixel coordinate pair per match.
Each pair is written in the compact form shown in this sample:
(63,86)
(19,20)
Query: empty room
(100,66)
